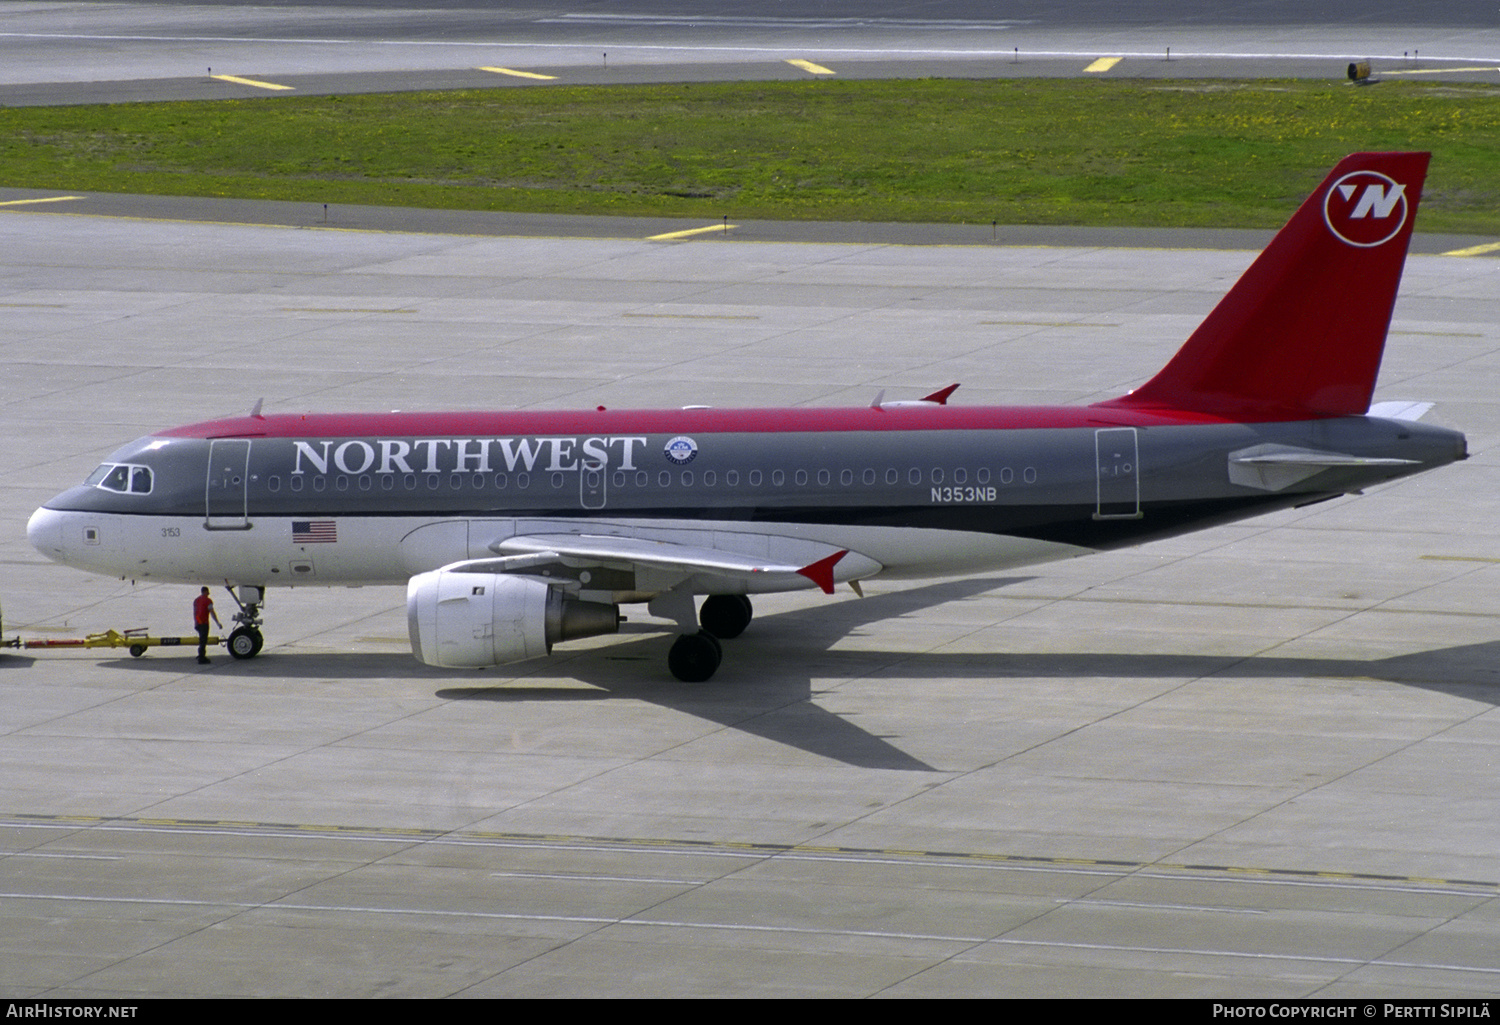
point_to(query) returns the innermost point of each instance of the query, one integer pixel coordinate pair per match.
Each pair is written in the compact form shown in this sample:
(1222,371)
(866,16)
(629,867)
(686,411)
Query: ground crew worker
(203,607)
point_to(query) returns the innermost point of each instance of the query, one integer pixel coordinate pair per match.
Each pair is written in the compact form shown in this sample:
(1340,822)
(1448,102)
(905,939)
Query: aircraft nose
(44,531)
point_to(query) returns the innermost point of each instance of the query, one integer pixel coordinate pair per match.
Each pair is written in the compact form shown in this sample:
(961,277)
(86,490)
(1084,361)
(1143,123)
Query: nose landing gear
(246,640)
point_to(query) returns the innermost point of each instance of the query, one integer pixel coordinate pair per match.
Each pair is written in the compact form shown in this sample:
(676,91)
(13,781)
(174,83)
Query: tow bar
(136,640)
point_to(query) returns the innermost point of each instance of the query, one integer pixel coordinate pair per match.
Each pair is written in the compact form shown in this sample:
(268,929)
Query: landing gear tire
(245,643)
(695,657)
(725,615)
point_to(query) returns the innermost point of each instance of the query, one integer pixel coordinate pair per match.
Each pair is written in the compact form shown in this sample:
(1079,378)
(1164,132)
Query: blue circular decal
(681,450)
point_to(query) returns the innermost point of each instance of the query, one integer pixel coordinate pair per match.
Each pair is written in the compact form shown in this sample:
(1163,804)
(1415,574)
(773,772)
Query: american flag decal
(314,532)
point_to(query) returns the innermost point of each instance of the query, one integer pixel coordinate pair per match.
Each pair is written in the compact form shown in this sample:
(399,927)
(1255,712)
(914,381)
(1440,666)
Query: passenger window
(801,478)
(823,477)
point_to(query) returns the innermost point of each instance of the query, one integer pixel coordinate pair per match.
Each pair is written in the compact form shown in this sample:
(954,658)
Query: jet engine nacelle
(461,619)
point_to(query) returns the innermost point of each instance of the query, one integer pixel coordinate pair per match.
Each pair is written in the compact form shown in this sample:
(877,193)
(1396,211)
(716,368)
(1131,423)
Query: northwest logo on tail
(1365,208)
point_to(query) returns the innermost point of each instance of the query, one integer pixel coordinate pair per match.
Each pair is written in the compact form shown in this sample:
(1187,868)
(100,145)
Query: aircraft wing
(659,565)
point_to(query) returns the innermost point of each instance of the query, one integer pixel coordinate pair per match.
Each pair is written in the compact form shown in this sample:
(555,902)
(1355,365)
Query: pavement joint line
(1006,53)
(985,243)
(735,847)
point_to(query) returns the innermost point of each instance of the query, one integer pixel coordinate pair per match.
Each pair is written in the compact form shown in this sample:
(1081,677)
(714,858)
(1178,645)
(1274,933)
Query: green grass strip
(1018,151)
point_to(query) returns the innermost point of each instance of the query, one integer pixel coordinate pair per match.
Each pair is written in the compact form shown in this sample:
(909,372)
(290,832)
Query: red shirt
(202,606)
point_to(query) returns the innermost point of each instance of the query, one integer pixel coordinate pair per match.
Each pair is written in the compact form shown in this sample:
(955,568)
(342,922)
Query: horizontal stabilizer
(1276,467)
(1400,410)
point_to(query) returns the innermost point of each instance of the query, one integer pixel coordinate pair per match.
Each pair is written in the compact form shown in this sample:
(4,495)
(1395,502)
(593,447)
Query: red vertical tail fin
(1301,333)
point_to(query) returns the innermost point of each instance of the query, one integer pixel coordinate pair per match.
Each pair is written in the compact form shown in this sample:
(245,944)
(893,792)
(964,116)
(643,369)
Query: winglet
(941,395)
(821,572)
(1301,333)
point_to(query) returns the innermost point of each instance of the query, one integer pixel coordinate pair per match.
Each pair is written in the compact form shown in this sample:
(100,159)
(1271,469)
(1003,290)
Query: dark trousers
(202,640)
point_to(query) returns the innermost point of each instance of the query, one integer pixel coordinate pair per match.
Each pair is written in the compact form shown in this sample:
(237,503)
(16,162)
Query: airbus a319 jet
(514,531)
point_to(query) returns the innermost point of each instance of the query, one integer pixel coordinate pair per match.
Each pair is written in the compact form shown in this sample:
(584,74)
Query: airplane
(515,531)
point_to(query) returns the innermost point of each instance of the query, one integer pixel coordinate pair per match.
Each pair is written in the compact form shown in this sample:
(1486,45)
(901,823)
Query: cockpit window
(123,478)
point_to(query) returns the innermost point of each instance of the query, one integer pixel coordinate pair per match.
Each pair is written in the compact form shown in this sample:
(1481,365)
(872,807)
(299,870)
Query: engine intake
(459,619)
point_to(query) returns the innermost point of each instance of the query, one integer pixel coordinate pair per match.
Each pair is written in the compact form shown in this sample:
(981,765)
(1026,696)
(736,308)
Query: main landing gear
(246,640)
(696,656)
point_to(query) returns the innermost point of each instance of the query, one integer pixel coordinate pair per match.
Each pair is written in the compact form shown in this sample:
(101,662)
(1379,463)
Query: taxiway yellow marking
(1489,247)
(1438,71)
(519,74)
(1101,65)
(47,199)
(729,847)
(251,81)
(811,68)
(1459,558)
(690,231)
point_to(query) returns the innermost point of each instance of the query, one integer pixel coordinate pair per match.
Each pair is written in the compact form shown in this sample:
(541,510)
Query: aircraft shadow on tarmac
(766,687)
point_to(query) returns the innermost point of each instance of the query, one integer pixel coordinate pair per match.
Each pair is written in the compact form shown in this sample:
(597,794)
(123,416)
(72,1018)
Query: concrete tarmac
(1255,761)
